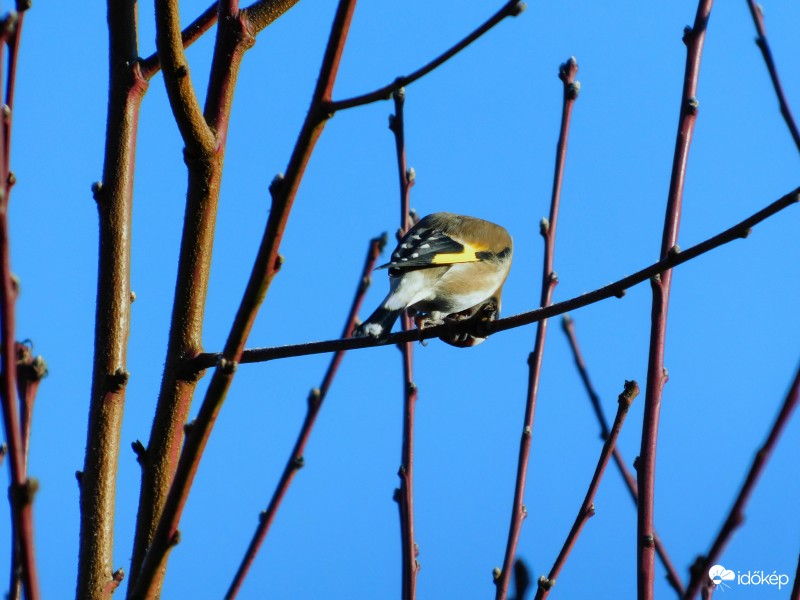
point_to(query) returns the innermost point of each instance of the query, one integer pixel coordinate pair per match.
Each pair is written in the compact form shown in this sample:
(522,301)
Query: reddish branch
(630,481)
(656,373)
(204,133)
(612,290)
(22,489)
(509,9)
(763,44)
(587,508)
(114,199)
(315,400)
(404,495)
(267,264)
(567,74)
(736,515)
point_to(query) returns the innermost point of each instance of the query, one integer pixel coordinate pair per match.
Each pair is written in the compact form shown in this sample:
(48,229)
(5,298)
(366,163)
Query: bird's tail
(379,323)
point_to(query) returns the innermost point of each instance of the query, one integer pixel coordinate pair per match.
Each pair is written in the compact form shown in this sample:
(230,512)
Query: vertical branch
(796,587)
(630,481)
(204,158)
(567,74)
(267,264)
(763,44)
(656,373)
(587,508)
(736,515)
(30,372)
(404,495)
(22,488)
(114,199)
(315,400)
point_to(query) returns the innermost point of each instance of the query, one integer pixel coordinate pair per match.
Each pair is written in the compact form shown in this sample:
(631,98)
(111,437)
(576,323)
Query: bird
(446,268)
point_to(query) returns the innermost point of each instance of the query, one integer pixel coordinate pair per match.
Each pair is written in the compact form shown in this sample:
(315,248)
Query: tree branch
(315,400)
(265,268)
(699,571)
(151,65)
(234,37)
(587,508)
(22,489)
(404,495)
(512,8)
(567,73)
(630,481)
(263,12)
(114,199)
(196,134)
(616,289)
(656,373)
(763,44)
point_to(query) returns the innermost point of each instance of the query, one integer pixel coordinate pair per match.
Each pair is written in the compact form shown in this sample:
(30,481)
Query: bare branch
(656,373)
(266,267)
(22,489)
(587,508)
(151,65)
(315,400)
(736,515)
(263,12)
(612,290)
(567,74)
(114,200)
(196,133)
(763,44)
(509,9)
(630,481)
(404,495)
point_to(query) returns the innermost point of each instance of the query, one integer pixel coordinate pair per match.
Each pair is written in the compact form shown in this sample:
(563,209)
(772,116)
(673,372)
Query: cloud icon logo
(719,574)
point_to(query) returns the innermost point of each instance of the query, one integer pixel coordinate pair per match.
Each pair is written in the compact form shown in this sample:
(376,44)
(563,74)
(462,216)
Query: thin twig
(587,508)
(567,73)
(509,9)
(694,38)
(22,489)
(315,399)
(630,481)
(616,289)
(264,270)
(761,41)
(735,517)
(404,495)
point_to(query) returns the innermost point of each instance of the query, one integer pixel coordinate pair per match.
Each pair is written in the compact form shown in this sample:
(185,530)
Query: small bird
(447,268)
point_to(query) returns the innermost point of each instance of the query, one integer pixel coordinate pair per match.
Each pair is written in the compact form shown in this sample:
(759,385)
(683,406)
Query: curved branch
(196,133)
(616,289)
(151,65)
(509,9)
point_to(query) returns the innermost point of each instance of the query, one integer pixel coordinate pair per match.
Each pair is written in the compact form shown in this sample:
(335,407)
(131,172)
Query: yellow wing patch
(468,254)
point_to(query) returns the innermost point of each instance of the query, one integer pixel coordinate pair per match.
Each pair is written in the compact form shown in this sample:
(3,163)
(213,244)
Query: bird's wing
(423,247)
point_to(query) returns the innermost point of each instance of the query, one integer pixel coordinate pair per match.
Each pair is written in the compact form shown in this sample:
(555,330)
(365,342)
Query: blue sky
(481,134)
